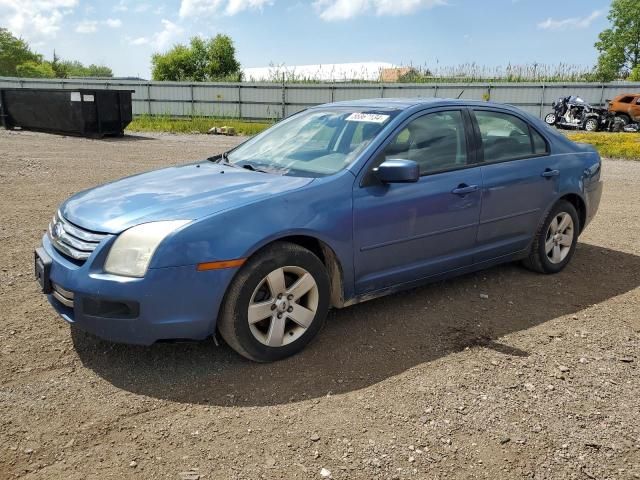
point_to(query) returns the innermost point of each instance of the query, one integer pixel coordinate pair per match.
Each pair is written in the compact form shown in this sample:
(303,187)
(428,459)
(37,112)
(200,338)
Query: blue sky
(124,33)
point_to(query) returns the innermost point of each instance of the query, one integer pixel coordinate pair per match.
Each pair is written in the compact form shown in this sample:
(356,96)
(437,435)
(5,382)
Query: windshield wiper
(222,159)
(248,166)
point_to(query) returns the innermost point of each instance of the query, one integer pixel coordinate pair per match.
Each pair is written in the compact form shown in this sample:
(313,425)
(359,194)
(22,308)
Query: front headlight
(132,251)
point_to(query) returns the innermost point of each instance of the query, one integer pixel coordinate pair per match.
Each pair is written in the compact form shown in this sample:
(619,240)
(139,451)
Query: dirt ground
(539,380)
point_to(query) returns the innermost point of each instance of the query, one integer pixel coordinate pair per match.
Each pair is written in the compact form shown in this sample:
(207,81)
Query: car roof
(405,103)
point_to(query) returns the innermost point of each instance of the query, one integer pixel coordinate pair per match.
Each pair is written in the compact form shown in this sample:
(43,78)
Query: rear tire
(276,304)
(550,119)
(555,241)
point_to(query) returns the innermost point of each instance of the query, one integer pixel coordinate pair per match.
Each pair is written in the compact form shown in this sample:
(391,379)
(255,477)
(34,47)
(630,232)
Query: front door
(407,232)
(634,110)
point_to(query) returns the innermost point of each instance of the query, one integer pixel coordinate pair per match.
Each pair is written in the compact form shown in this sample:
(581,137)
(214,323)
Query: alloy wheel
(283,306)
(591,125)
(559,239)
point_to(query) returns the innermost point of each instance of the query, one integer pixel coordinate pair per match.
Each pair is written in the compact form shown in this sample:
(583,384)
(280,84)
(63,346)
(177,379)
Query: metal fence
(271,101)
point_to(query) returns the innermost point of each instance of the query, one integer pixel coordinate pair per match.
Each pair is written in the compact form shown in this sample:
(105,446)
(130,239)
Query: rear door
(519,182)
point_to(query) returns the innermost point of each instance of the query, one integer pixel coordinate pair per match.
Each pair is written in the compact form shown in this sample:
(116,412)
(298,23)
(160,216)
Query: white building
(334,72)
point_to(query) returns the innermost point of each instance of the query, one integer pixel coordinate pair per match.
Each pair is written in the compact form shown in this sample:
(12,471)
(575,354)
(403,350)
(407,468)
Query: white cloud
(344,9)
(121,7)
(237,6)
(35,19)
(573,22)
(113,22)
(142,7)
(91,26)
(162,39)
(140,41)
(87,26)
(194,8)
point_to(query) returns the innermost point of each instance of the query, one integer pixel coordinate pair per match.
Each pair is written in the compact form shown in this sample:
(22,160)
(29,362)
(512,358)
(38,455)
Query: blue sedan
(333,206)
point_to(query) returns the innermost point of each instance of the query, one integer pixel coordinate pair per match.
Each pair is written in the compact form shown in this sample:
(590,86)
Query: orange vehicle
(626,107)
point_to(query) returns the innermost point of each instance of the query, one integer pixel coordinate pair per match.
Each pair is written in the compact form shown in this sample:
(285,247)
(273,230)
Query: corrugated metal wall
(273,101)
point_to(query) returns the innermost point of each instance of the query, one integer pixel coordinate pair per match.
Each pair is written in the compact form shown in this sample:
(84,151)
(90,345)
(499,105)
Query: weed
(165,123)
(611,145)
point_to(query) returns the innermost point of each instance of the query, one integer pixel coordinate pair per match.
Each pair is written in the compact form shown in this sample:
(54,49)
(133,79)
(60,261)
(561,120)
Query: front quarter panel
(322,209)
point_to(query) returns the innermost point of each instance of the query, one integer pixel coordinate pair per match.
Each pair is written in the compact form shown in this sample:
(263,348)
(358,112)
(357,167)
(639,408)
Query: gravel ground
(539,380)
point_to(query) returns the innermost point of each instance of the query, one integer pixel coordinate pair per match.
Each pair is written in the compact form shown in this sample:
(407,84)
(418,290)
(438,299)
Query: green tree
(13,52)
(619,45)
(35,70)
(74,68)
(58,66)
(174,65)
(17,60)
(202,60)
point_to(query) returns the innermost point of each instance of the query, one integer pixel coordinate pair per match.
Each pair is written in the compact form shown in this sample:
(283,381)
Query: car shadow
(367,343)
(127,137)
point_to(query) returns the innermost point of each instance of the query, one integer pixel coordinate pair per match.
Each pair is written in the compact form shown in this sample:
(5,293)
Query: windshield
(314,143)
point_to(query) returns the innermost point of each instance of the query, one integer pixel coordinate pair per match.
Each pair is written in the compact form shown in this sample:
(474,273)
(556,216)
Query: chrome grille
(73,241)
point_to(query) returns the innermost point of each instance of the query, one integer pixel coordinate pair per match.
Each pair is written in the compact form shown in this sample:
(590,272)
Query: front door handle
(465,189)
(548,173)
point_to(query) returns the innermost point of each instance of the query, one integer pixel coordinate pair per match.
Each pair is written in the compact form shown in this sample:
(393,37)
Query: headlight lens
(132,251)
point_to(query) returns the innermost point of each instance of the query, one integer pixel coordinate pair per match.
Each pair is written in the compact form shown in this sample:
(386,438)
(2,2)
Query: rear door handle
(465,189)
(548,173)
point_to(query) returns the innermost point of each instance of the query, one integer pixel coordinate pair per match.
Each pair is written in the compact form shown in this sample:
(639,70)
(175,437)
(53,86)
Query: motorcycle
(574,112)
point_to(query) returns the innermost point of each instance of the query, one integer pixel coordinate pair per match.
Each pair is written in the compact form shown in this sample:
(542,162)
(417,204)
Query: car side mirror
(398,171)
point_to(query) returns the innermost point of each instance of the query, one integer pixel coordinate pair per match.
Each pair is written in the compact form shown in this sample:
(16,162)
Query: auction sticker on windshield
(367,117)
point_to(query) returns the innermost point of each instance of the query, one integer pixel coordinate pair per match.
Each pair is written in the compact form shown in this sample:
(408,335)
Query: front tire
(624,119)
(591,125)
(277,303)
(550,119)
(555,241)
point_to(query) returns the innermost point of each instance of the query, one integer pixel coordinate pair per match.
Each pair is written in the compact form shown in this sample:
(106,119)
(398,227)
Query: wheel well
(330,260)
(580,207)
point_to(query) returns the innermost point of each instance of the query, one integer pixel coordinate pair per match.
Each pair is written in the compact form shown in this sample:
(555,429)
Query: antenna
(464,89)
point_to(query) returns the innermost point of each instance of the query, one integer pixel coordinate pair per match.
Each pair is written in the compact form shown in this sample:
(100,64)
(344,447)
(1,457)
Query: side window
(435,141)
(506,137)
(626,100)
(539,143)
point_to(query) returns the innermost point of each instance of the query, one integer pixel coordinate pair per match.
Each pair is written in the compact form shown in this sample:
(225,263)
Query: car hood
(186,192)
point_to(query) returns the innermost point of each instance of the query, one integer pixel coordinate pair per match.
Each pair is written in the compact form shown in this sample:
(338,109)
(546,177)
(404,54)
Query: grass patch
(611,145)
(161,123)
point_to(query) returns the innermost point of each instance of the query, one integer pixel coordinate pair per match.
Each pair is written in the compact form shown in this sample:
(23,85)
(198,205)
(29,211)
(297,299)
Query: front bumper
(168,303)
